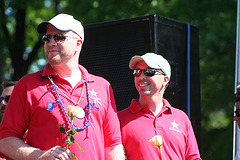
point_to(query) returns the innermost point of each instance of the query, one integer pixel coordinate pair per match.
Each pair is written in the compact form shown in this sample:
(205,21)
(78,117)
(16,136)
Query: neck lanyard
(88,107)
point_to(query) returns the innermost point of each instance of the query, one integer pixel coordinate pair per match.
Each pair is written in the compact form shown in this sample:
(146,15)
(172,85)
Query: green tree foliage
(21,46)
(20,43)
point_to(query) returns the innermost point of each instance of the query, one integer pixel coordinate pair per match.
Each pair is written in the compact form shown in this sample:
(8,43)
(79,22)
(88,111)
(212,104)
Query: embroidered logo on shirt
(175,127)
(95,98)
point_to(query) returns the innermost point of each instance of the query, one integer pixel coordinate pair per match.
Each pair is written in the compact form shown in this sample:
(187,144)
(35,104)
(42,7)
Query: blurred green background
(21,50)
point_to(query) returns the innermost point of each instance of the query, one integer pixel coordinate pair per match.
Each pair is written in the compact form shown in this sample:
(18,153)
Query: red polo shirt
(27,110)
(139,125)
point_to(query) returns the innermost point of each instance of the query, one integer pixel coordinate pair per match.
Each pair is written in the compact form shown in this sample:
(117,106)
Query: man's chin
(143,94)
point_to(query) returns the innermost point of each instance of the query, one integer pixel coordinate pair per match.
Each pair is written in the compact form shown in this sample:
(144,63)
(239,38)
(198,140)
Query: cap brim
(42,27)
(134,61)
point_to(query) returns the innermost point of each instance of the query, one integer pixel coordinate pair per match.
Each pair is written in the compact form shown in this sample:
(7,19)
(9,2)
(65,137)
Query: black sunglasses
(4,98)
(56,37)
(147,72)
(237,112)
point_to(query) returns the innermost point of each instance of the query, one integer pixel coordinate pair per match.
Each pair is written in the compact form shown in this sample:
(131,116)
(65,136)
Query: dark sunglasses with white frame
(57,37)
(147,72)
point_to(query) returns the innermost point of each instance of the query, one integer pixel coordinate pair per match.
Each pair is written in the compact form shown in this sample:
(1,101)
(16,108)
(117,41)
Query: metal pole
(188,71)
(236,135)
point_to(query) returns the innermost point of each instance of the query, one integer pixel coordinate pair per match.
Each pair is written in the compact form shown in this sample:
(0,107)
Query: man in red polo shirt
(41,101)
(152,115)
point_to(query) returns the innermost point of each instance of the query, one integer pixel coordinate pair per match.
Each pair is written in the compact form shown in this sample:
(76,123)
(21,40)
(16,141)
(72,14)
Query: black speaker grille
(109,46)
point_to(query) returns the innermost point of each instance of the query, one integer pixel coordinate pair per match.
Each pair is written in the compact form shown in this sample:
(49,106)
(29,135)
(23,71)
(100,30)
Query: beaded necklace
(88,107)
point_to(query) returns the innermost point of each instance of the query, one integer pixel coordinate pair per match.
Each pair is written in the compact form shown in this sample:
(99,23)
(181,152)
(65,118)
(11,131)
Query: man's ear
(79,42)
(79,45)
(166,79)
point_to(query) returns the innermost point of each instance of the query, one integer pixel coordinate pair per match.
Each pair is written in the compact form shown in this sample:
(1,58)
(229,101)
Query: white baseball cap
(63,22)
(153,61)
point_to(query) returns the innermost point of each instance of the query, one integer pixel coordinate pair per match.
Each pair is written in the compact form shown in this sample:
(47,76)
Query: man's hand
(57,152)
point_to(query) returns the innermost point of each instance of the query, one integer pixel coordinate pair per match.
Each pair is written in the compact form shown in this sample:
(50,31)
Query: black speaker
(109,46)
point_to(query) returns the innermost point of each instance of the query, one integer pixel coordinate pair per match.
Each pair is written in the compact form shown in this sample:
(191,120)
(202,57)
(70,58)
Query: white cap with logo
(153,61)
(63,22)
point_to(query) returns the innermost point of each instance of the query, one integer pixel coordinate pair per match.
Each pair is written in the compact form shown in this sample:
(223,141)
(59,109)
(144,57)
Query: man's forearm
(115,153)
(16,149)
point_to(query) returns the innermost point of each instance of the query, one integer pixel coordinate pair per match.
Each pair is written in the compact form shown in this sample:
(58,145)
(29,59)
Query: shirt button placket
(155,125)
